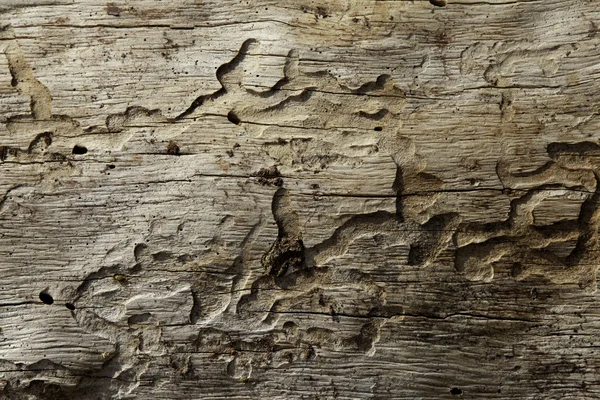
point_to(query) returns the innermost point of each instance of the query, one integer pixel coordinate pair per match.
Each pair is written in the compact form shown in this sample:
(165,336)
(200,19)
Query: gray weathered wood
(351,199)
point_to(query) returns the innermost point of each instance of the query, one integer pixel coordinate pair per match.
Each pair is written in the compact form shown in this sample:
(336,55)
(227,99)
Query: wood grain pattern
(352,199)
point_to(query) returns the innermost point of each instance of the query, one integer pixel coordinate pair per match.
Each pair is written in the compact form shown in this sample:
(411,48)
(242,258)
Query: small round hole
(456,391)
(79,149)
(233,118)
(173,149)
(70,306)
(439,3)
(46,298)
(378,129)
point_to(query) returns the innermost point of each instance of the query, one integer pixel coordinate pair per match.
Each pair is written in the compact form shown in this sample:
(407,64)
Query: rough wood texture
(285,199)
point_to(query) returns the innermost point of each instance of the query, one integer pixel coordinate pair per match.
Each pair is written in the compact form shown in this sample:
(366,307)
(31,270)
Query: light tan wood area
(347,199)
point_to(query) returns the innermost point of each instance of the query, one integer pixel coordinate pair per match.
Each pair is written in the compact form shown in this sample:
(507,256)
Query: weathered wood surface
(290,199)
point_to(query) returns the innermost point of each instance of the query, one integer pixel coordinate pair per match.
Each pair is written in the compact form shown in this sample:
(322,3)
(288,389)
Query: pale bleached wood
(284,199)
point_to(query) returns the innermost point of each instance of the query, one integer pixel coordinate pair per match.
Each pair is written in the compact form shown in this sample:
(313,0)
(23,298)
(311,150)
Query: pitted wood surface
(348,200)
